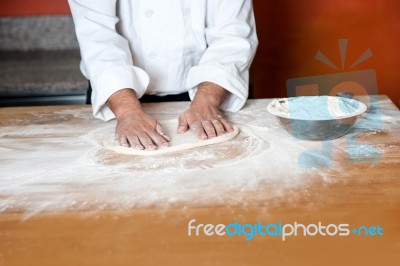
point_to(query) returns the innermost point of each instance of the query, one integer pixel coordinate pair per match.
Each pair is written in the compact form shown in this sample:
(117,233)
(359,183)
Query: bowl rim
(362,109)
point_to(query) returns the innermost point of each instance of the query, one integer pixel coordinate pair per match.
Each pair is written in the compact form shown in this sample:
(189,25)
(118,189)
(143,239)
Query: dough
(178,142)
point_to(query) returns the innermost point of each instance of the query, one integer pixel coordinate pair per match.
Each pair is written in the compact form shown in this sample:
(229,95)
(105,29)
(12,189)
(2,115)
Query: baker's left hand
(203,117)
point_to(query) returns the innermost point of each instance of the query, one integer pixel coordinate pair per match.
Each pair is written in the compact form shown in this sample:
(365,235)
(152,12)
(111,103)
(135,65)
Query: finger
(146,142)
(228,127)
(159,140)
(183,125)
(160,131)
(209,129)
(134,142)
(219,128)
(198,130)
(123,141)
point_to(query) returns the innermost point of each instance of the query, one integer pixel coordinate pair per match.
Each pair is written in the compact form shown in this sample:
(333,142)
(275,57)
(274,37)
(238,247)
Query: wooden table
(60,207)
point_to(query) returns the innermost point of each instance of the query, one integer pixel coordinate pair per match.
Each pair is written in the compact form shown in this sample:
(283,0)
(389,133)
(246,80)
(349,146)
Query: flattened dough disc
(179,142)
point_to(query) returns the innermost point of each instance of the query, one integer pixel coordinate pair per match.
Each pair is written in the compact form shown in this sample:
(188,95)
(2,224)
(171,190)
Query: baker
(139,50)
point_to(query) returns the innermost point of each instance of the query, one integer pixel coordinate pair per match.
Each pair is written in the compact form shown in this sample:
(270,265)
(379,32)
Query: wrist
(210,93)
(124,103)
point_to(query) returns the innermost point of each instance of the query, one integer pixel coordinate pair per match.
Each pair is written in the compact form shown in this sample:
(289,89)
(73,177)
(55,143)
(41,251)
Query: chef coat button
(186,12)
(152,55)
(187,52)
(149,13)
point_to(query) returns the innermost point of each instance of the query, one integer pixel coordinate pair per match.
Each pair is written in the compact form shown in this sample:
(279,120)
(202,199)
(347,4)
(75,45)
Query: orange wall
(33,7)
(292,31)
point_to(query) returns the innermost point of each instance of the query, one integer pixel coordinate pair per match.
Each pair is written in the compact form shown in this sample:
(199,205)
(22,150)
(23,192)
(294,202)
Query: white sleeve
(106,57)
(232,42)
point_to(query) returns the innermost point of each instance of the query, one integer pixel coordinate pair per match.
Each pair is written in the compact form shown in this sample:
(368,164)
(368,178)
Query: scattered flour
(62,166)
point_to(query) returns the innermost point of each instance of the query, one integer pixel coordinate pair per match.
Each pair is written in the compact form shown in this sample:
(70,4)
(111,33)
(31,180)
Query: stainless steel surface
(318,129)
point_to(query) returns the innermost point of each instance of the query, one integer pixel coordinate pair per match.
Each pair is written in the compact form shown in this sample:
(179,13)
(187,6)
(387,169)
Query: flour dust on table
(50,165)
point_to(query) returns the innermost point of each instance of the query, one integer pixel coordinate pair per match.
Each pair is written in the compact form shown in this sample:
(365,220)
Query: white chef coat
(165,47)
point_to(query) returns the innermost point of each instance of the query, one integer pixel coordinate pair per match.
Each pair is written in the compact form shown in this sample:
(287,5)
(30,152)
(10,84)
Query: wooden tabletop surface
(65,200)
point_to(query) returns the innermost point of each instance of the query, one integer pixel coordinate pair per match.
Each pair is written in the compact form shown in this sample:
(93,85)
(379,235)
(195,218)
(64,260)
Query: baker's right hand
(140,131)
(135,128)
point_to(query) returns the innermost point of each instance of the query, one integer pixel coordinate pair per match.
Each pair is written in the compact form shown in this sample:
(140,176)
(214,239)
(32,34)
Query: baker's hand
(203,117)
(135,128)
(140,131)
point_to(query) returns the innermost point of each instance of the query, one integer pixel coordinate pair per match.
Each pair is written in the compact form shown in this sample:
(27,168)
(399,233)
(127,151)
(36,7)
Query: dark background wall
(292,31)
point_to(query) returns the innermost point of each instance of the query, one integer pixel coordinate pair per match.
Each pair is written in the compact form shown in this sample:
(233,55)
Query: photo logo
(280,230)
